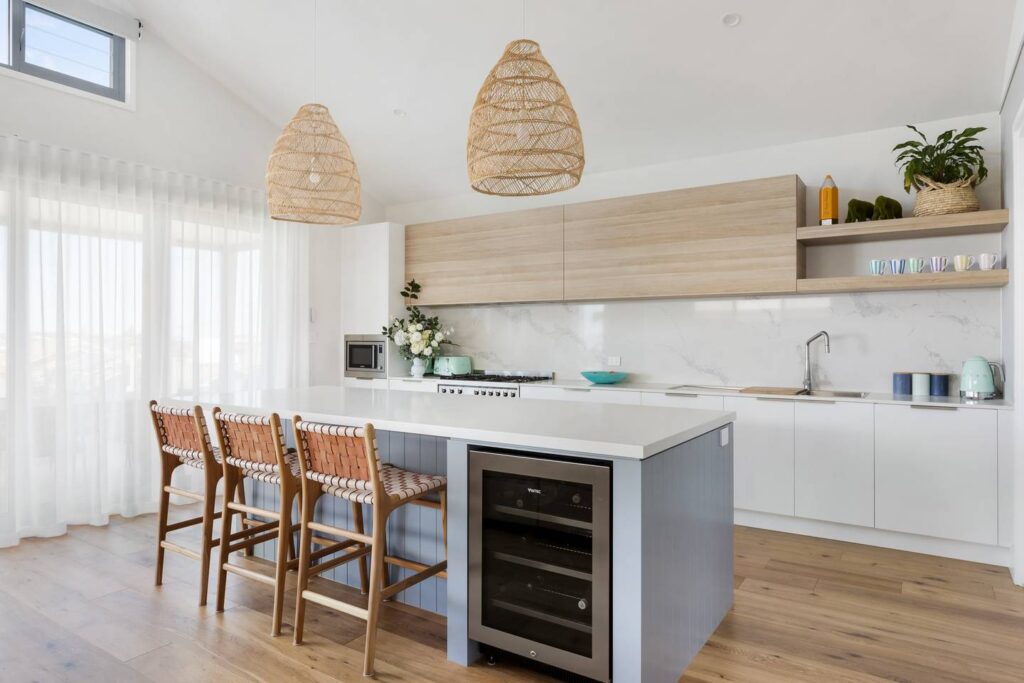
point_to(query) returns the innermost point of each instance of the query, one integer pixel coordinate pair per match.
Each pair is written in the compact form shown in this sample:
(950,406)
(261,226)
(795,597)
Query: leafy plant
(422,335)
(952,157)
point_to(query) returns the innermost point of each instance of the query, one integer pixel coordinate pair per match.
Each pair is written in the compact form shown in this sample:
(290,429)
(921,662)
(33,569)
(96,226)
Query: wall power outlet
(613,361)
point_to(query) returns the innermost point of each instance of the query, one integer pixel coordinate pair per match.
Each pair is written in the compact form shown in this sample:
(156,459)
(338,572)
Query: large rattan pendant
(524,137)
(311,175)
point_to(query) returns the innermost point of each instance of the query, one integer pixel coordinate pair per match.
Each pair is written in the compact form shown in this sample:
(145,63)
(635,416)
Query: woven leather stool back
(253,438)
(181,431)
(338,451)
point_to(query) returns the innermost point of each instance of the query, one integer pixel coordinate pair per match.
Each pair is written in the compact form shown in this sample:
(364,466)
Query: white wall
(1013,304)
(183,120)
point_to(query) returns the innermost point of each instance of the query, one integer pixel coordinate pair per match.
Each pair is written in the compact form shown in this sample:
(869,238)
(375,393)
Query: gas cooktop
(505,378)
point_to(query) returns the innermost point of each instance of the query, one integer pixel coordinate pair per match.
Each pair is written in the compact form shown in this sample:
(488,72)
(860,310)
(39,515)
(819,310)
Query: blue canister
(902,383)
(939,385)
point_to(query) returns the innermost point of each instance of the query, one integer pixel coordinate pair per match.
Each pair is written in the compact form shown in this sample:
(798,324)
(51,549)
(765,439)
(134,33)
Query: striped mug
(877,266)
(897,265)
(939,263)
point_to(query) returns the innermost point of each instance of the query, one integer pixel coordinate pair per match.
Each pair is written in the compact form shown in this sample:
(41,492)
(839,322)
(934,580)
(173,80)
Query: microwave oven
(365,355)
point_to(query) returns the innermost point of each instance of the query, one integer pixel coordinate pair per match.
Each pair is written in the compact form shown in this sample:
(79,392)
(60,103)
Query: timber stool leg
(253,447)
(183,439)
(343,462)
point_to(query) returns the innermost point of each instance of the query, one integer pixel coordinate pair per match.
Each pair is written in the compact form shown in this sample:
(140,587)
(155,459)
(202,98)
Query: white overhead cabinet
(763,453)
(835,462)
(583,394)
(936,472)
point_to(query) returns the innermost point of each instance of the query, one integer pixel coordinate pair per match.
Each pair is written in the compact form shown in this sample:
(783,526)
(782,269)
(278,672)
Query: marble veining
(742,341)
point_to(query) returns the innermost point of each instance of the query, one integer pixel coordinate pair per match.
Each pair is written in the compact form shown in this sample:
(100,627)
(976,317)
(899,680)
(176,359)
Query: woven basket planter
(311,175)
(937,199)
(524,137)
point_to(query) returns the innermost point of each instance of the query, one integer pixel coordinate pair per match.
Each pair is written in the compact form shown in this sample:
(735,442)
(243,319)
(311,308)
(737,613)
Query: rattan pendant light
(524,137)
(311,175)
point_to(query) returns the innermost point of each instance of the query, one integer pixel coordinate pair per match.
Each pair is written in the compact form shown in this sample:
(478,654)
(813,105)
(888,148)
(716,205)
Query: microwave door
(362,356)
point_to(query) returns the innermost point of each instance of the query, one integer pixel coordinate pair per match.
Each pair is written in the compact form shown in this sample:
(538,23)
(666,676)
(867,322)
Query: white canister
(920,384)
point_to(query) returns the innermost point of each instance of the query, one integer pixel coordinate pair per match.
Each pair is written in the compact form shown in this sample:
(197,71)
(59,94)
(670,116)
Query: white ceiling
(652,80)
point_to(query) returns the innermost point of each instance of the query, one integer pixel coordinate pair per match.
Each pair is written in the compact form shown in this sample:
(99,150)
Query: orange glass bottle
(828,202)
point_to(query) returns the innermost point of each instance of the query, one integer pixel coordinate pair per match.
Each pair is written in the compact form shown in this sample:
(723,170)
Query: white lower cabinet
(682,401)
(584,394)
(425,385)
(936,472)
(835,462)
(762,454)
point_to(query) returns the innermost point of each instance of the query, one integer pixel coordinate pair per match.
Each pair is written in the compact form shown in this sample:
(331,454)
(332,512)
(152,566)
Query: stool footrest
(248,573)
(181,550)
(189,522)
(409,564)
(347,556)
(255,540)
(338,605)
(184,493)
(335,531)
(414,579)
(238,507)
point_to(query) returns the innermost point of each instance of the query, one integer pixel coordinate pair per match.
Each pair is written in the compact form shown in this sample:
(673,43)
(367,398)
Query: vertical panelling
(414,532)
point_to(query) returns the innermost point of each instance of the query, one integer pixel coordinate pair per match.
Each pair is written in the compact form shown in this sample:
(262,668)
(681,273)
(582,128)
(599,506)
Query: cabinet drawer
(936,472)
(425,385)
(835,462)
(361,383)
(682,401)
(581,394)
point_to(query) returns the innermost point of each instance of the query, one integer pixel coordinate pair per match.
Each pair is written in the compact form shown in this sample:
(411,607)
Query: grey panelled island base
(670,510)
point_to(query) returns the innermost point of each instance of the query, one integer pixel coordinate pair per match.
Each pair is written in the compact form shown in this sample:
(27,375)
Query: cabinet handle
(671,393)
(575,389)
(924,407)
(766,398)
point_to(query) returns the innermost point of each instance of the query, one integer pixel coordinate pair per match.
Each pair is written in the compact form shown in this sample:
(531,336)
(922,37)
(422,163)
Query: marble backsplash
(749,341)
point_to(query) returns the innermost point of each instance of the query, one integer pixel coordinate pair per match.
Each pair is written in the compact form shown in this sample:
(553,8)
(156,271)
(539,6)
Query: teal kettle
(977,380)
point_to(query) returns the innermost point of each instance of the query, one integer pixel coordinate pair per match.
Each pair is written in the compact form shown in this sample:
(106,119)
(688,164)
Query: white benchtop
(677,388)
(592,428)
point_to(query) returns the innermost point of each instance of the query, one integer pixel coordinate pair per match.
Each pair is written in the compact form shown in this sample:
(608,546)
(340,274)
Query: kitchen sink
(712,387)
(837,394)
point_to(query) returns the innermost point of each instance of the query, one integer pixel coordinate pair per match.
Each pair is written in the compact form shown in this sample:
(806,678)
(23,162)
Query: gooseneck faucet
(807,358)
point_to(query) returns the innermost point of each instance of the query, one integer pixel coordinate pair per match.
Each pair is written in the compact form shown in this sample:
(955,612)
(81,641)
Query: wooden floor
(82,607)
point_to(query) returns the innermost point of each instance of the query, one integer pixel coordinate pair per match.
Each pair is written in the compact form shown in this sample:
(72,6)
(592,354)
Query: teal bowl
(604,376)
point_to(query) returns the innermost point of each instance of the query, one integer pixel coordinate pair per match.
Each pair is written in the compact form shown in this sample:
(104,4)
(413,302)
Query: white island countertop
(623,431)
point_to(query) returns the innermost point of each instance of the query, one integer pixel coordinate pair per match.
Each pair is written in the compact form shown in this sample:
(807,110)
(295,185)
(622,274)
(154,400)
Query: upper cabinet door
(736,238)
(503,258)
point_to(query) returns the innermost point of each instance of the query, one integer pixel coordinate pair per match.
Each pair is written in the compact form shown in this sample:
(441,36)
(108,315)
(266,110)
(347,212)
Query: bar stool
(344,462)
(183,439)
(253,446)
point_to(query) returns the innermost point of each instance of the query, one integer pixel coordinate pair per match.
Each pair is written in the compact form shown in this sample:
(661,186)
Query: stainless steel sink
(836,394)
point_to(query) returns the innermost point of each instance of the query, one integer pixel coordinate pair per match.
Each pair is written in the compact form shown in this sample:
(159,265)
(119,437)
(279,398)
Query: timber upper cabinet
(734,238)
(502,258)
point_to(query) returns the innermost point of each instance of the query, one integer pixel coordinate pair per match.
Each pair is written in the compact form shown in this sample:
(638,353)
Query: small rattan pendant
(524,137)
(311,175)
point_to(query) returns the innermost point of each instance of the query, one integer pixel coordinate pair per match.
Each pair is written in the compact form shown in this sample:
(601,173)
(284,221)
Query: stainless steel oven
(540,559)
(365,355)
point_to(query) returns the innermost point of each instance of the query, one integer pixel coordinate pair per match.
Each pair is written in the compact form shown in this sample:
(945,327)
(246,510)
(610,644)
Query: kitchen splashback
(749,341)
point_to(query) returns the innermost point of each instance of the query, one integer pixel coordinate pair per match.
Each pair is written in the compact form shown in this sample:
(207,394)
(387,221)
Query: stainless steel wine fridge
(540,559)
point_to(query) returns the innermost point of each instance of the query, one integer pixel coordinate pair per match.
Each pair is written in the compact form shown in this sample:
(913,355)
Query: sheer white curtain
(120,283)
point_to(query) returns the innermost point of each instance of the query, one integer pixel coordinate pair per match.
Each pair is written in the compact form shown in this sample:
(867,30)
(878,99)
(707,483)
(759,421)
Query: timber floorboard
(82,607)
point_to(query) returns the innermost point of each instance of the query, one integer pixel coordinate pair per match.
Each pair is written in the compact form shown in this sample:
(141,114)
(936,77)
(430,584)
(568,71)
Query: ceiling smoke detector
(731,19)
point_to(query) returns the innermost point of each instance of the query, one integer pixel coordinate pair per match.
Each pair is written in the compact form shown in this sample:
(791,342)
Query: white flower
(439,336)
(415,336)
(416,348)
(435,343)
(428,351)
(419,326)
(400,339)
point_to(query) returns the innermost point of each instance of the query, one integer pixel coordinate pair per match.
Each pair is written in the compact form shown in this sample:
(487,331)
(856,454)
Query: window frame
(118,55)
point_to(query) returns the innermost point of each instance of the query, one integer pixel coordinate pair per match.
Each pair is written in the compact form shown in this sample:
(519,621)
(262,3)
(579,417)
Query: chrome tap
(807,358)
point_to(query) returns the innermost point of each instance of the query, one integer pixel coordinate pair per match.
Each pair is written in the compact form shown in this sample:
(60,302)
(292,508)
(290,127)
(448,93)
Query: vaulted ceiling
(652,80)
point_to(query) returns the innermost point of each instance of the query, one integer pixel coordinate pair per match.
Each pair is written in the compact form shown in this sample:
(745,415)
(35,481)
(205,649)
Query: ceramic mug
(916,264)
(920,383)
(877,266)
(897,265)
(988,261)
(939,263)
(962,262)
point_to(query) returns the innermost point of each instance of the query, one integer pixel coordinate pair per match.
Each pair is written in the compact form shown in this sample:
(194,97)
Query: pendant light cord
(315,94)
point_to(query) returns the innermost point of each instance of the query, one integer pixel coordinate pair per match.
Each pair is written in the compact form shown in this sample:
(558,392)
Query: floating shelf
(974,223)
(880,283)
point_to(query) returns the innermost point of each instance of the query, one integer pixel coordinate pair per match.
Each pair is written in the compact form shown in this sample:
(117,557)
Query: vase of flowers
(419,337)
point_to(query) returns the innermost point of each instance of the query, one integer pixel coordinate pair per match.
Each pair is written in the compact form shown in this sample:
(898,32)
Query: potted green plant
(944,172)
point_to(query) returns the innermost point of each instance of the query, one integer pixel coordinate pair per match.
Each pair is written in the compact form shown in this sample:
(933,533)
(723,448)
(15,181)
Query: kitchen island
(668,580)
